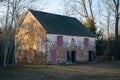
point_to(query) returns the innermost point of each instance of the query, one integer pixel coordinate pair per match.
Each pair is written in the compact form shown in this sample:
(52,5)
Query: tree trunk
(116,3)
(116,39)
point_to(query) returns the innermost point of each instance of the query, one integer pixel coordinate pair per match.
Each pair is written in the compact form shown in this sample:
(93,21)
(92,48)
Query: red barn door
(53,56)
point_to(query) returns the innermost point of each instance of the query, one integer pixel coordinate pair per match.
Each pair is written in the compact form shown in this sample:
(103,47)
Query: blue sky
(57,7)
(52,6)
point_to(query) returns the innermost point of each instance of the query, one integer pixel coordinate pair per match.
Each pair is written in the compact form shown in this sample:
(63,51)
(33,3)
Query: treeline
(10,56)
(106,49)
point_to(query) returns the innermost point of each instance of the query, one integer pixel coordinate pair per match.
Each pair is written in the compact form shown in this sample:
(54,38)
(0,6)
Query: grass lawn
(98,71)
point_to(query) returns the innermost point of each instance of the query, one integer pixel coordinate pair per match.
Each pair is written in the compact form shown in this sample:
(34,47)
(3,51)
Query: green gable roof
(58,24)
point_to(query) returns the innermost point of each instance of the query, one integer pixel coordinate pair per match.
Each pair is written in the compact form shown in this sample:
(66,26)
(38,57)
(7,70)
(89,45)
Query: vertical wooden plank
(25,56)
(86,41)
(19,53)
(59,40)
(94,55)
(35,54)
(53,56)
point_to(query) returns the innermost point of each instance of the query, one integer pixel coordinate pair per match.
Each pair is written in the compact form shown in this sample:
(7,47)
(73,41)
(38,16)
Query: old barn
(48,38)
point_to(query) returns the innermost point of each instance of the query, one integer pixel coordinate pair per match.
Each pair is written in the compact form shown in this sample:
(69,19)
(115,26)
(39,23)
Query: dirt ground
(86,71)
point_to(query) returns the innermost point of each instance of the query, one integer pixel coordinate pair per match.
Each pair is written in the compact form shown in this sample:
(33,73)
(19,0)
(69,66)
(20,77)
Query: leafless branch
(115,2)
(78,11)
(84,6)
(90,4)
(119,14)
(77,1)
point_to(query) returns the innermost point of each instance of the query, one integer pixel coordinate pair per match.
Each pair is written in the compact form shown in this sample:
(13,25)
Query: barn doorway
(71,56)
(90,55)
(53,56)
(69,60)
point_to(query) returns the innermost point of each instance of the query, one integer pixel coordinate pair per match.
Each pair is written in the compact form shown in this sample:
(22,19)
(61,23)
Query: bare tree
(106,16)
(12,23)
(117,16)
(84,9)
(112,15)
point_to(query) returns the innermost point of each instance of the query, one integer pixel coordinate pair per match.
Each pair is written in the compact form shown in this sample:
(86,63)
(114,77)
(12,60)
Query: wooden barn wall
(76,43)
(32,38)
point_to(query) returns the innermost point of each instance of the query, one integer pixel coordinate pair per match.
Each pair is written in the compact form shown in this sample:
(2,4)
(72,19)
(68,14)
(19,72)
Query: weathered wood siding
(32,38)
(82,45)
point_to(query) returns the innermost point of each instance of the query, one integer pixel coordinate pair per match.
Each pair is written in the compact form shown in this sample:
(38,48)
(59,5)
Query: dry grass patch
(101,71)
